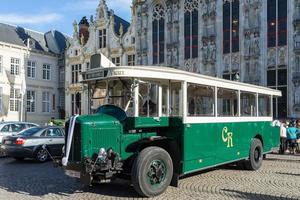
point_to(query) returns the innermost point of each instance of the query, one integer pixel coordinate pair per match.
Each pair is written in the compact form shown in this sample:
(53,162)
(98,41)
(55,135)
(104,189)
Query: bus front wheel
(256,155)
(152,171)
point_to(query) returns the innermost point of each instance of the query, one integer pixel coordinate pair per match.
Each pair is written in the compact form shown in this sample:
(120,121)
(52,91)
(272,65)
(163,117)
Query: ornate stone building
(253,41)
(108,34)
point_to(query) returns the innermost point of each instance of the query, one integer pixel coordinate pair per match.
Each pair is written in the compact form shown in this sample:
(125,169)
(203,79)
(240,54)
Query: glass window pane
(227,102)
(282,77)
(271,78)
(264,105)
(200,100)
(248,104)
(148,101)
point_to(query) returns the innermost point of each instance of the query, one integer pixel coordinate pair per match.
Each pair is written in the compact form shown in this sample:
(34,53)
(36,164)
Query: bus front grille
(75,151)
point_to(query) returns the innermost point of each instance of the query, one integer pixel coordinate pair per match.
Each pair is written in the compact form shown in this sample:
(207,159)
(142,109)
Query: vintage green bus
(154,125)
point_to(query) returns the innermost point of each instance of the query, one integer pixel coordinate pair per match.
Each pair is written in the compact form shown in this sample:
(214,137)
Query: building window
(87,66)
(46,72)
(277,19)
(31,69)
(76,70)
(14,66)
(191,29)
(76,103)
(158,34)
(277,79)
(30,101)
(53,102)
(131,60)
(46,102)
(14,99)
(231,17)
(116,61)
(1,64)
(102,38)
(1,99)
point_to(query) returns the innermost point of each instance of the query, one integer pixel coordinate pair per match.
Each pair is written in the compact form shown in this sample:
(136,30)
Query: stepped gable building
(253,41)
(31,74)
(105,33)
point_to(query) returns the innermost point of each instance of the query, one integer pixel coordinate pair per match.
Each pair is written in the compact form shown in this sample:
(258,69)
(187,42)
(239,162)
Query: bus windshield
(116,92)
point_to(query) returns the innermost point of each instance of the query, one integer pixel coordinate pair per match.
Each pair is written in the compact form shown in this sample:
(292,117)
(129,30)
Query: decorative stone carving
(169,57)
(212,51)
(175,56)
(282,56)
(205,52)
(212,8)
(247,45)
(255,46)
(158,12)
(75,26)
(226,62)
(139,59)
(235,62)
(297,40)
(169,14)
(204,9)
(272,57)
(175,13)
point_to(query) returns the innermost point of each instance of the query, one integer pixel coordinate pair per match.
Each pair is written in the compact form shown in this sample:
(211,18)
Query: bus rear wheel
(152,171)
(256,155)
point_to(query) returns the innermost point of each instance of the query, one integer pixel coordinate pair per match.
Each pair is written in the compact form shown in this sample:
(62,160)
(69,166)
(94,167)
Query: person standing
(282,147)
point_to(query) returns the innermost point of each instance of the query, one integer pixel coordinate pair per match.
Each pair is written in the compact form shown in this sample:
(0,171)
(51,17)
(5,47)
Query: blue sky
(41,15)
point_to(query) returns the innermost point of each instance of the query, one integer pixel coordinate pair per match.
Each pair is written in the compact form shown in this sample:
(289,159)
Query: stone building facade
(253,41)
(30,66)
(106,33)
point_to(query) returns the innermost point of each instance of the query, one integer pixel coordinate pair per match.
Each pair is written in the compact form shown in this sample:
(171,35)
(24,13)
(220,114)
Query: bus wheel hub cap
(157,172)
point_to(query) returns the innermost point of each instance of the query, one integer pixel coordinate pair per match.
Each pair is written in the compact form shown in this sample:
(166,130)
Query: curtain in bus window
(200,100)
(248,104)
(227,102)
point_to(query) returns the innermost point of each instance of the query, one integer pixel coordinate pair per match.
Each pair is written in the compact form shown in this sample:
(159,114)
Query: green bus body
(200,145)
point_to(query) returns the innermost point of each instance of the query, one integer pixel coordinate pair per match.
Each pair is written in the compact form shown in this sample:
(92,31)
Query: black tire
(41,155)
(19,158)
(255,156)
(152,171)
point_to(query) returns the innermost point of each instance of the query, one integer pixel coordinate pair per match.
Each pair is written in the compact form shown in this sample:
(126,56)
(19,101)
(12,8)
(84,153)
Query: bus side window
(248,104)
(200,100)
(227,102)
(264,105)
(148,101)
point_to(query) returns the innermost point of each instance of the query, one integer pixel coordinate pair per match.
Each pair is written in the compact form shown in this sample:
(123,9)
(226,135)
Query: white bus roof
(167,73)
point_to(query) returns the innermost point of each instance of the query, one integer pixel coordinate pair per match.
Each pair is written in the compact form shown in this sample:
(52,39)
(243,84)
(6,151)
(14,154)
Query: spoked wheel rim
(156,174)
(42,155)
(257,154)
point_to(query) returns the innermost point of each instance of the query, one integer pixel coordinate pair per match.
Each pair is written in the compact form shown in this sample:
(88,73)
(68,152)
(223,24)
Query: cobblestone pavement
(279,178)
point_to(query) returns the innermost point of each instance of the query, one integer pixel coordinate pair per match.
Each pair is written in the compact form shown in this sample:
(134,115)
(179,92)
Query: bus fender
(167,144)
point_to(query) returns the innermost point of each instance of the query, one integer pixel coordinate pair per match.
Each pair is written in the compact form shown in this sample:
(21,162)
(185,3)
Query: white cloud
(13,18)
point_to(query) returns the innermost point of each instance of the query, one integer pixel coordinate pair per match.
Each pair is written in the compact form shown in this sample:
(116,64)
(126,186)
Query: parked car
(10,128)
(34,143)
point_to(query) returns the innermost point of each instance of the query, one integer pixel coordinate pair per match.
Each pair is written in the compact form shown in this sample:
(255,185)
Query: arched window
(191,29)
(158,34)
